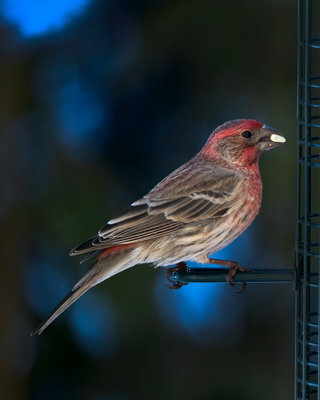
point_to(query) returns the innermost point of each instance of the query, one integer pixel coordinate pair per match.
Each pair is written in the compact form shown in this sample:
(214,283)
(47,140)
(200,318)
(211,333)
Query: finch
(194,212)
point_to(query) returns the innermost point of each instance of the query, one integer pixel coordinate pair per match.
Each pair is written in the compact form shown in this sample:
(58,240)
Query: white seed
(277,138)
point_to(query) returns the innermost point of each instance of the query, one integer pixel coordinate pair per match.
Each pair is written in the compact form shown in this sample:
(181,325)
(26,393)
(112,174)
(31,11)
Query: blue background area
(99,101)
(36,17)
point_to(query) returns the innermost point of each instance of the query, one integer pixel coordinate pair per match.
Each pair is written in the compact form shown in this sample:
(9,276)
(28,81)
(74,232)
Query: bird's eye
(246,134)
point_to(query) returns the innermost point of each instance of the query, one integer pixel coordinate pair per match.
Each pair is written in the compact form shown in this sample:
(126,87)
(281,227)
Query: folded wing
(180,200)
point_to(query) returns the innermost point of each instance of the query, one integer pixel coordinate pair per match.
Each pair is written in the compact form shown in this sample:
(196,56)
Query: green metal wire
(307,248)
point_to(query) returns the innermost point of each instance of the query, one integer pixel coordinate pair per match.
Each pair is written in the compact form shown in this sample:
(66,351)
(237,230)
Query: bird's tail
(101,270)
(70,298)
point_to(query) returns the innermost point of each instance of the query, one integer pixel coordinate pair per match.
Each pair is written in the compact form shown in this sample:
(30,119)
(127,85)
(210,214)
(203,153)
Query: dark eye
(246,134)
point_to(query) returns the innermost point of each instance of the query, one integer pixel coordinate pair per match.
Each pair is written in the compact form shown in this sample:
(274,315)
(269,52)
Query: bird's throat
(249,156)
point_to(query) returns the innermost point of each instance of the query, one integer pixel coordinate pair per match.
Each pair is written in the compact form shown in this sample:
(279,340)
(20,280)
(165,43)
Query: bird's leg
(181,266)
(233,266)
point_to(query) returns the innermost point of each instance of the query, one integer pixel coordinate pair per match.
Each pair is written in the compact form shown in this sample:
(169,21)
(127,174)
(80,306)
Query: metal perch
(256,275)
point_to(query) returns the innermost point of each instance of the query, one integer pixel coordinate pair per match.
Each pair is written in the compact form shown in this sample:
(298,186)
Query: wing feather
(172,205)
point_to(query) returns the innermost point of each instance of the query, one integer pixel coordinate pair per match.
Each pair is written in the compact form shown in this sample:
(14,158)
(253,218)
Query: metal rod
(307,205)
(257,275)
(300,122)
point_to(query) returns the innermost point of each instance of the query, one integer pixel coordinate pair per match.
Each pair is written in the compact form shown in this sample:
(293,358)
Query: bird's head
(240,142)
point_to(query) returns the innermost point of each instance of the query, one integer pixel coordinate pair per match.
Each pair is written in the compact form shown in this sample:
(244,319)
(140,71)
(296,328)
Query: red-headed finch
(195,211)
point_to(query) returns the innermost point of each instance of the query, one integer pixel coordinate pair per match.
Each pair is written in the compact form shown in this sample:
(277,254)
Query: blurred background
(99,100)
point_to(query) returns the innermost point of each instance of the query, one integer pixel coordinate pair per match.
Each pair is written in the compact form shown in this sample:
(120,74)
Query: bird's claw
(177,285)
(242,288)
(234,267)
(181,266)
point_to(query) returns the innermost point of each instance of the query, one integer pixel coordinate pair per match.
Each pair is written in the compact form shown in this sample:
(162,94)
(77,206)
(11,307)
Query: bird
(195,211)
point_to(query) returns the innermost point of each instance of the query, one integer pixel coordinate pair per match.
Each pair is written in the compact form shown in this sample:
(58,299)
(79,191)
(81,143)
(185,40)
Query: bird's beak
(270,138)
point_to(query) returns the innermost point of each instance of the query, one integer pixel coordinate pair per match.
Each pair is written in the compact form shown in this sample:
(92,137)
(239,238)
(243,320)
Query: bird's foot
(234,267)
(181,266)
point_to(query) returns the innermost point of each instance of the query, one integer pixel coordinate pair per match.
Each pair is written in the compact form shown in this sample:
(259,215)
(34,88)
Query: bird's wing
(190,195)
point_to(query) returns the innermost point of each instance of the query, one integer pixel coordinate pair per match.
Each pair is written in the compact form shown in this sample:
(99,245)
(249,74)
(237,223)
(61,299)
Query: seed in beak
(277,138)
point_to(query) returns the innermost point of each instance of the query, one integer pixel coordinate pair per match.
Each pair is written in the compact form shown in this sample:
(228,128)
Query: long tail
(70,298)
(101,270)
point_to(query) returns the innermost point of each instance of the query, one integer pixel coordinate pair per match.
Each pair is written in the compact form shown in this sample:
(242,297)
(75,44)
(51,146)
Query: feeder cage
(307,299)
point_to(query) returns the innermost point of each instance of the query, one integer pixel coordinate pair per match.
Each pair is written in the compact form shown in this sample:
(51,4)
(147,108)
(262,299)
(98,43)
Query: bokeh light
(36,17)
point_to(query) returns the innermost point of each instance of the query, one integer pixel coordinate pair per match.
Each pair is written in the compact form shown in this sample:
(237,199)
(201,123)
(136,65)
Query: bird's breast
(222,232)
(206,238)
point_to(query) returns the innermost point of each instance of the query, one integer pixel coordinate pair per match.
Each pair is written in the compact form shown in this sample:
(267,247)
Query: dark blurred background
(99,100)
